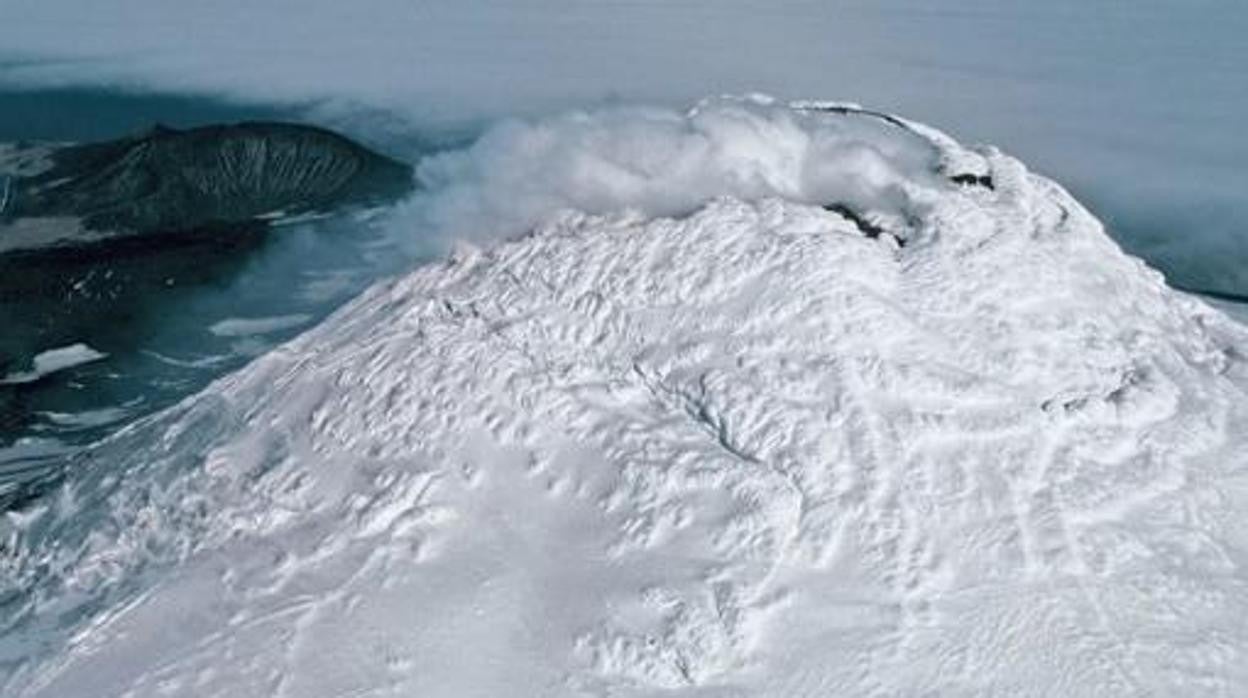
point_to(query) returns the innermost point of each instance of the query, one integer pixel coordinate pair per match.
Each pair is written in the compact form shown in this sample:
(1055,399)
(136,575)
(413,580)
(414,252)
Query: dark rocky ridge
(207,179)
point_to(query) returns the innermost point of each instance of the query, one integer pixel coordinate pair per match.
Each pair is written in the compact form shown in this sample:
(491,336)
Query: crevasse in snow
(702,436)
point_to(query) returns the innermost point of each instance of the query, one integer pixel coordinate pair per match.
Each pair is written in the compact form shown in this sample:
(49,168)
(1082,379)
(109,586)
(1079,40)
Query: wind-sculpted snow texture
(748,451)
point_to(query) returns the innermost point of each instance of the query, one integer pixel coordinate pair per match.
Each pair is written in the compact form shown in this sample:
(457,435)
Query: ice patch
(247,327)
(87,418)
(52,361)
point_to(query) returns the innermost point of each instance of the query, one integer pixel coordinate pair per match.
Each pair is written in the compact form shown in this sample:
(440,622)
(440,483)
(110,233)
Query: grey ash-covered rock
(206,179)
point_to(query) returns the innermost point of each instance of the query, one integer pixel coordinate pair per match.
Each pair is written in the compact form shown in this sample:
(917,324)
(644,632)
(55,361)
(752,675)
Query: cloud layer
(659,162)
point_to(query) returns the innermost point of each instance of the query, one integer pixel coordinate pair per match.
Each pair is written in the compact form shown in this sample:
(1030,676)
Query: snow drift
(704,436)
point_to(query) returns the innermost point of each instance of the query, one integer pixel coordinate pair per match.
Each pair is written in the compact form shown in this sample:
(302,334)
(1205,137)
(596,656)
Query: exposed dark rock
(6,194)
(846,109)
(865,226)
(974,180)
(208,179)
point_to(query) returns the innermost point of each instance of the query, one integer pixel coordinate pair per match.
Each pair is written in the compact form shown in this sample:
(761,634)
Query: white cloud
(659,162)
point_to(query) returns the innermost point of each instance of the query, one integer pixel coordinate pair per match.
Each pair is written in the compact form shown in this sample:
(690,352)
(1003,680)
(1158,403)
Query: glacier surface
(688,431)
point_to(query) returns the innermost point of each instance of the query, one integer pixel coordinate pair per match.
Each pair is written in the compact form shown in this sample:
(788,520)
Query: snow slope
(739,449)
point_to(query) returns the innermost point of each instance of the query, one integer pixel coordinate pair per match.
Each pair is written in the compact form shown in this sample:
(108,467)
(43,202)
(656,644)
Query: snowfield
(781,409)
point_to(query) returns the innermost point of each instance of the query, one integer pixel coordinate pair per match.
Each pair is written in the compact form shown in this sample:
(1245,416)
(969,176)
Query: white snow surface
(736,450)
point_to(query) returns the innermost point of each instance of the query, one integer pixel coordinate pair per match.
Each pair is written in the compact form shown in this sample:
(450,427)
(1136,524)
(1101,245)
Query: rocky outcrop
(208,179)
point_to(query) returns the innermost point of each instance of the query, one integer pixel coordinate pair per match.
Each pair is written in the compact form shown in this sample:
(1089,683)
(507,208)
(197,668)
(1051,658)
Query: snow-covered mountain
(800,400)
